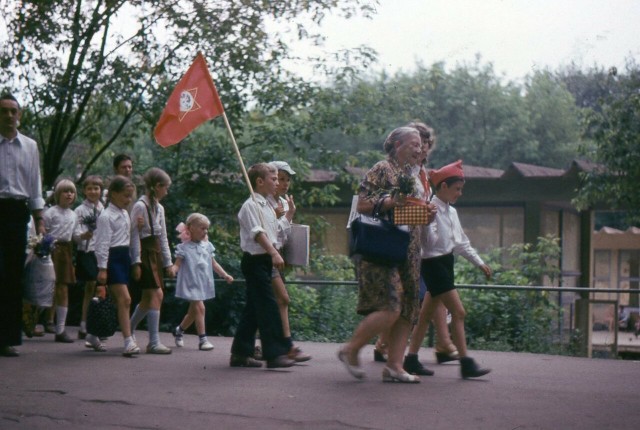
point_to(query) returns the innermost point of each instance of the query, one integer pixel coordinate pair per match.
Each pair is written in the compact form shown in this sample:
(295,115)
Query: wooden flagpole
(244,169)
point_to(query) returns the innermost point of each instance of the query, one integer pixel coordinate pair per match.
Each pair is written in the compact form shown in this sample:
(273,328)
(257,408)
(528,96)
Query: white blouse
(139,233)
(114,229)
(60,223)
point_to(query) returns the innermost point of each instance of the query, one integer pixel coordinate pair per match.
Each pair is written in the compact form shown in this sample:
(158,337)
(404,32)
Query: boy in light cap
(444,237)
(285,208)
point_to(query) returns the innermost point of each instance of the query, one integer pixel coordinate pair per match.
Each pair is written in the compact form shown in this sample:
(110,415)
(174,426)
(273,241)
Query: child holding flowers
(86,263)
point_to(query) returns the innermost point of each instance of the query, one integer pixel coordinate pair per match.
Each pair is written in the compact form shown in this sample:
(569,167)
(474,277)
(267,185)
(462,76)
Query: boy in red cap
(444,237)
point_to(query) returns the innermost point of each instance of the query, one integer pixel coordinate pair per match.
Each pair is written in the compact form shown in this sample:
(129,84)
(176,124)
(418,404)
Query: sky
(517,36)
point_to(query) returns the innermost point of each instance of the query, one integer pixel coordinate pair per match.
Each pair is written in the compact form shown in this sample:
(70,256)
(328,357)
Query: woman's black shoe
(414,367)
(470,369)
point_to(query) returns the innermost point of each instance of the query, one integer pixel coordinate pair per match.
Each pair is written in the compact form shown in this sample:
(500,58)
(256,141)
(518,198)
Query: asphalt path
(66,386)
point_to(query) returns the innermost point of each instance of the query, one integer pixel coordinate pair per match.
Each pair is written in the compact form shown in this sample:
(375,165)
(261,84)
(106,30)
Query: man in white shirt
(20,197)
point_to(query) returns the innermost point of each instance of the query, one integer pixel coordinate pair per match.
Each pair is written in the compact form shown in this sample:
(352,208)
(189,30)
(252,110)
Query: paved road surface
(65,386)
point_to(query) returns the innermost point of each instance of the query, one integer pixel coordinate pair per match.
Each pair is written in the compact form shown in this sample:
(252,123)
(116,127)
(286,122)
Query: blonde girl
(151,255)
(194,265)
(60,222)
(113,236)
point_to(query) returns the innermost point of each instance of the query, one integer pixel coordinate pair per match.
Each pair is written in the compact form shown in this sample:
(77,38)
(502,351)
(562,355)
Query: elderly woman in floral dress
(388,295)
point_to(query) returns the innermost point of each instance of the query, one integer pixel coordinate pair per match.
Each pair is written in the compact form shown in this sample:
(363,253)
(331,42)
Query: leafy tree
(615,129)
(95,72)
(476,115)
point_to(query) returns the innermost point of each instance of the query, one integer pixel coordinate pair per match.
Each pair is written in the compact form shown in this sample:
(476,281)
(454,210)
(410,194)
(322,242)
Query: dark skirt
(86,266)
(437,273)
(151,263)
(62,257)
(119,265)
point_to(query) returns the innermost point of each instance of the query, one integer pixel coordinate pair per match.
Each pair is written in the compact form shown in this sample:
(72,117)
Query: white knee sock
(61,318)
(138,315)
(153,325)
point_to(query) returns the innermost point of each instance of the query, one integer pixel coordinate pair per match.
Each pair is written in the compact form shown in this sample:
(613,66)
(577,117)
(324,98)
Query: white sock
(83,326)
(138,315)
(128,341)
(61,318)
(153,325)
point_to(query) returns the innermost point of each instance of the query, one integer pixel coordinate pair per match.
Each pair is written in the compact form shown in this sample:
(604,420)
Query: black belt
(14,199)
(14,202)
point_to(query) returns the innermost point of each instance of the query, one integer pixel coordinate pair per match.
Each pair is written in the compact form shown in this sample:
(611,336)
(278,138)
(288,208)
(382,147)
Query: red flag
(193,101)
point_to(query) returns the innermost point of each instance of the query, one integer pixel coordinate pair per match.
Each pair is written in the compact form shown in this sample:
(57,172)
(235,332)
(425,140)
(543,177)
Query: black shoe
(82,335)
(378,356)
(9,351)
(63,338)
(470,369)
(445,357)
(414,367)
(280,361)
(239,361)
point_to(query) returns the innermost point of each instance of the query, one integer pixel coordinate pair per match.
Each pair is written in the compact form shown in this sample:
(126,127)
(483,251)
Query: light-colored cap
(283,165)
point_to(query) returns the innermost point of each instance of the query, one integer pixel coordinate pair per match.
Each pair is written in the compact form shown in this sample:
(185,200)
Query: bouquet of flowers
(91,221)
(41,245)
(406,185)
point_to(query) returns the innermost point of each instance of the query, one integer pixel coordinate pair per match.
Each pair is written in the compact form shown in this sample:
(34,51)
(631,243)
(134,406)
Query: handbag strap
(378,205)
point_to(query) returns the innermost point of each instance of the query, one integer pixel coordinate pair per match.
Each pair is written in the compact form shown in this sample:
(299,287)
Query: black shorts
(86,266)
(437,273)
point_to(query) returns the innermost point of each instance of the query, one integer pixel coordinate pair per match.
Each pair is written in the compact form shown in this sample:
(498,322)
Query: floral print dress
(384,288)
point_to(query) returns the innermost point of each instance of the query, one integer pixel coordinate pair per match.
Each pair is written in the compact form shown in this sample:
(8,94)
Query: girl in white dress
(194,265)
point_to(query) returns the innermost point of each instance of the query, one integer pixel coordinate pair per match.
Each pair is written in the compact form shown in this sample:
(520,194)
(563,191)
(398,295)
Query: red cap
(448,171)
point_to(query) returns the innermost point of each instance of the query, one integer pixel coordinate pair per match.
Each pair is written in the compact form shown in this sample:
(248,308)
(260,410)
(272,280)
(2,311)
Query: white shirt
(20,170)
(445,235)
(85,211)
(250,225)
(284,226)
(60,223)
(139,233)
(114,229)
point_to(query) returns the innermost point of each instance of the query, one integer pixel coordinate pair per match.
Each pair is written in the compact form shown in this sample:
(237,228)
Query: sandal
(389,375)
(450,353)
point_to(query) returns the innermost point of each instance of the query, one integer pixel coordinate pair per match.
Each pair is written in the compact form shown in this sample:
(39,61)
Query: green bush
(503,320)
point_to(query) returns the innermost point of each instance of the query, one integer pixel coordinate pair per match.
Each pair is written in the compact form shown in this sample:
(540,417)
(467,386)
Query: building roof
(532,171)
(515,169)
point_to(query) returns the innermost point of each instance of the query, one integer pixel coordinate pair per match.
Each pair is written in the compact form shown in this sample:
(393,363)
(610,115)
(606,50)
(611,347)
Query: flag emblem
(188,102)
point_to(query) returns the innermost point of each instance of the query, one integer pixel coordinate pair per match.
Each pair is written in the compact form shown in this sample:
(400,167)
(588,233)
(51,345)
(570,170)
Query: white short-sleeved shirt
(60,223)
(195,276)
(251,224)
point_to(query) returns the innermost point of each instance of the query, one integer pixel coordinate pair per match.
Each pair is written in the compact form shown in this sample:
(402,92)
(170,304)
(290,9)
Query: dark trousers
(260,313)
(14,216)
